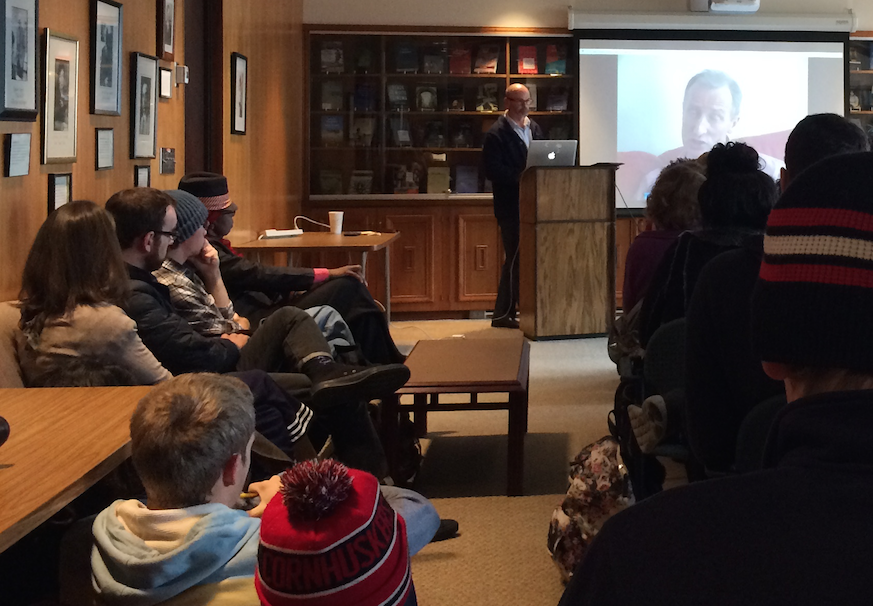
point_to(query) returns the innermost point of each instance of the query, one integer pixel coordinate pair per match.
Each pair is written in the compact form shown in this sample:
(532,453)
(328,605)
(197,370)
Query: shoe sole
(366,385)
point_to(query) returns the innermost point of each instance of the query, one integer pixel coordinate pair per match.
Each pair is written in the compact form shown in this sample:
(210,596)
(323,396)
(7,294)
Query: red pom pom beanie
(330,538)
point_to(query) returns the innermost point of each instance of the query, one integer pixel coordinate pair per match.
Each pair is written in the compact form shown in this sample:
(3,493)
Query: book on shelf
(462,135)
(330,181)
(459,60)
(556,59)
(332,128)
(332,95)
(532,88)
(466,179)
(486,98)
(527,59)
(400,132)
(406,58)
(365,97)
(364,61)
(426,97)
(439,180)
(362,132)
(455,98)
(332,57)
(557,99)
(434,64)
(403,180)
(397,98)
(361,182)
(559,132)
(486,59)
(434,135)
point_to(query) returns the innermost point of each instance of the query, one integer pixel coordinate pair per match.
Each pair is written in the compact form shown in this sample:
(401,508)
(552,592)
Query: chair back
(752,436)
(10,371)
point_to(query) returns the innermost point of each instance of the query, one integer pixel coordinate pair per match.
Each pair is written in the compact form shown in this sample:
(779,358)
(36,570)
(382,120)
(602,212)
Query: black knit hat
(812,303)
(190,213)
(211,188)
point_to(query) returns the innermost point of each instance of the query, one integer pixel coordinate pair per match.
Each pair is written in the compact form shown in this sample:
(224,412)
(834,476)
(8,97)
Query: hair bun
(731,158)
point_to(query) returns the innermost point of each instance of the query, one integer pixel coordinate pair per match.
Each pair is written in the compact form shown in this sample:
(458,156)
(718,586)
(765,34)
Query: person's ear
(775,370)
(147,242)
(783,179)
(231,470)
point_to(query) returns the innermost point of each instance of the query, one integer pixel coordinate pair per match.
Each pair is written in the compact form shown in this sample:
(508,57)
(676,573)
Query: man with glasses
(504,154)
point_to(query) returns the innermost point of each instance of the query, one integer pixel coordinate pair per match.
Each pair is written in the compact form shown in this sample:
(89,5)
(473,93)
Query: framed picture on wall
(238,94)
(143,106)
(19,99)
(166,29)
(106,24)
(105,146)
(166,86)
(61,98)
(142,176)
(60,190)
(17,154)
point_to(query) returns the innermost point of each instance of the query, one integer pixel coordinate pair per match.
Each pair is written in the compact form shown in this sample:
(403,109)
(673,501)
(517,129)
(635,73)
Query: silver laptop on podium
(552,153)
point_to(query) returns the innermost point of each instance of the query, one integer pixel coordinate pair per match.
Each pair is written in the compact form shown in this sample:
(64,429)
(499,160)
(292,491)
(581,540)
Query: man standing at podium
(504,153)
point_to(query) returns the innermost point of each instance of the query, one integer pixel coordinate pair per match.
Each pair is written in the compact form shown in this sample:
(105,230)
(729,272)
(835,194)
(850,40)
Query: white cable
(307,219)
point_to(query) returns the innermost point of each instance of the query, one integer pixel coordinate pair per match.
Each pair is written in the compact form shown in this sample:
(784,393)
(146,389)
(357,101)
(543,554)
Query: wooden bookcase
(859,102)
(394,137)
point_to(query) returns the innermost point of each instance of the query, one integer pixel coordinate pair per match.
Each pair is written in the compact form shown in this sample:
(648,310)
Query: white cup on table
(336,221)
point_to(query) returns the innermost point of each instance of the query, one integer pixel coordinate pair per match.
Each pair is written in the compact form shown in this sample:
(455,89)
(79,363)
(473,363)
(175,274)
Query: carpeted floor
(500,557)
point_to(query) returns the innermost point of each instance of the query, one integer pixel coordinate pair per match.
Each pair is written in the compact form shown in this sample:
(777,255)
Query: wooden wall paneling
(264,166)
(23,200)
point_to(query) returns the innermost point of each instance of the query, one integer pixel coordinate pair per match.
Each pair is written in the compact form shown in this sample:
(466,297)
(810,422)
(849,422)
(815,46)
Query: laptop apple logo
(552,155)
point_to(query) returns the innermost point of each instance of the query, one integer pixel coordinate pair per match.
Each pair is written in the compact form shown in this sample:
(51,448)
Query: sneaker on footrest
(342,384)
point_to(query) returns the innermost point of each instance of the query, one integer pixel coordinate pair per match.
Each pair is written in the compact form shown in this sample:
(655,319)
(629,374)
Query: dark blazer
(168,335)
(504,156)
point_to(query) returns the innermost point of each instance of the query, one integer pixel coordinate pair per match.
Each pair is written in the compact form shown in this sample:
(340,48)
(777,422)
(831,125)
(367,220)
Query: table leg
(515,455)
(390,410)
(419,413)
(388,283)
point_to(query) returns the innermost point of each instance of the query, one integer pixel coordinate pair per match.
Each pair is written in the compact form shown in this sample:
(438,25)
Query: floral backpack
(599,488)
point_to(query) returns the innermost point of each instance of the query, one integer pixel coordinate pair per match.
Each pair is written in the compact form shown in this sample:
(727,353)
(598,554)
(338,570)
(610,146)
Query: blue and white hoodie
(205,554)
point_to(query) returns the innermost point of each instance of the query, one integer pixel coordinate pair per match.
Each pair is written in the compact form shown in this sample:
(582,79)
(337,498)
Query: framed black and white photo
(143,106)
(106,25)
(17,154)
(166,29)
(61,98)
(166,77)
(238,98)
(19,99)
(142,176)
(60,190)
(105,146)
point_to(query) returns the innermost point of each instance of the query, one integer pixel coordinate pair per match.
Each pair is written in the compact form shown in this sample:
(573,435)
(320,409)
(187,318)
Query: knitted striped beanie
(814,294)
(329,538)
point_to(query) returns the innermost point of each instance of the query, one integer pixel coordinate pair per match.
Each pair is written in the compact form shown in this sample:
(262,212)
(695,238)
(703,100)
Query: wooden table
(316,241)
(472,366)
(61,441)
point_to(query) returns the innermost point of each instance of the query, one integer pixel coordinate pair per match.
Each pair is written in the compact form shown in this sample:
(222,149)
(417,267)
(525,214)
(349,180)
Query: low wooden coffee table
(472,366)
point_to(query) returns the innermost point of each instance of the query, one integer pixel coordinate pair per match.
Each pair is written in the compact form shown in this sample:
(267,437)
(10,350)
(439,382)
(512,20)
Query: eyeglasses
(527,101)
(172,235)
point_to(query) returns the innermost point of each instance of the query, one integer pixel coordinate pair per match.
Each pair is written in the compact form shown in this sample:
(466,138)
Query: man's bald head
(517,98)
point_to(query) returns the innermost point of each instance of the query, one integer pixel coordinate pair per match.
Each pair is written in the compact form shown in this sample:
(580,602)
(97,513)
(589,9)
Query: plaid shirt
(193,302)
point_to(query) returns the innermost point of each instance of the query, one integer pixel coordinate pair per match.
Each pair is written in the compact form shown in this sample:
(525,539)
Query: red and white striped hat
(330,538)
(211,188)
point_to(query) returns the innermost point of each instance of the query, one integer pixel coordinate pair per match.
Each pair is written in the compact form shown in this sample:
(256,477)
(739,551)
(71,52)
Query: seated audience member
(327,513)
(73,287)
(191,440)
(671,209)
(724,380)
(798,531)
(734,202)
(288,340)
(258,290)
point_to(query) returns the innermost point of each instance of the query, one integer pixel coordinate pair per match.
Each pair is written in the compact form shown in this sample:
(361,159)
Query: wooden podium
(567,263)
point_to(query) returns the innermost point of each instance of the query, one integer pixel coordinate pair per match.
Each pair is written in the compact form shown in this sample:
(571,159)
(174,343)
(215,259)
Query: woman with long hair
(73,284)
